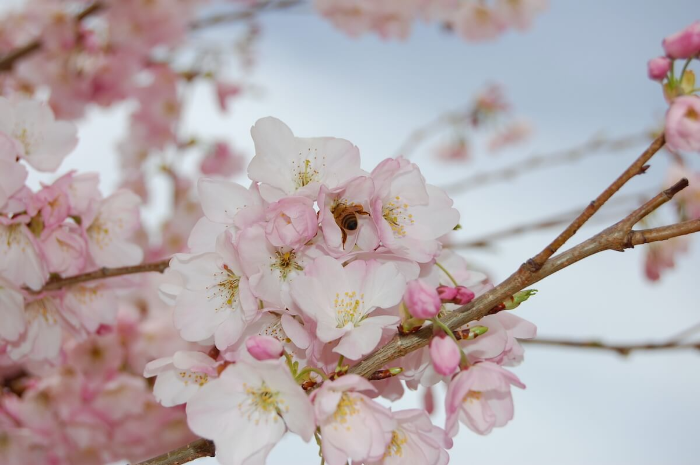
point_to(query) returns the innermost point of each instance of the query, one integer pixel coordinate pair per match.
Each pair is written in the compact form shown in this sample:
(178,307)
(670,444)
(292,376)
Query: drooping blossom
(445,355)
(248,409)
(683,124)
(352,425)
(416,440)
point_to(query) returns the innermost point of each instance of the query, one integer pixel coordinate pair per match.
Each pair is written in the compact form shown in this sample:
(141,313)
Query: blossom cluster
(64,228)
(680,90)
(291,281)
(682,136)
(94,406)
(392,19)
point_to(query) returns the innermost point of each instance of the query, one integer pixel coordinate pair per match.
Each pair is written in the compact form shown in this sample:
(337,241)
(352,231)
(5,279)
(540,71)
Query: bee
(346,218)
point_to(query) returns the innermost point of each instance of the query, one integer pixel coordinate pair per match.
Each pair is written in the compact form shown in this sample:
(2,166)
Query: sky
(581,70)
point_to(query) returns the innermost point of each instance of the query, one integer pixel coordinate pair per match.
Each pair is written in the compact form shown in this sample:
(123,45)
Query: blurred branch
(261,6)
(556,220)
(622,349)
(422,133)
(194,450)
(102,273)
(9,60)
(561,157)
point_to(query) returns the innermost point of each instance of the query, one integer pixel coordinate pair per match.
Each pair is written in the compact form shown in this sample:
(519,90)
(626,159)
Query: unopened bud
(264,347)
(519,297)
(422,300)
(445,355)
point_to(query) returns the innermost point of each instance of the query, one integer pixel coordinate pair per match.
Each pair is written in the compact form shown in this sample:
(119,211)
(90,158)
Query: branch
(8,61)
(194,450)
(622,349)
(266,5)
(541,161)
(637,167)
(102,273)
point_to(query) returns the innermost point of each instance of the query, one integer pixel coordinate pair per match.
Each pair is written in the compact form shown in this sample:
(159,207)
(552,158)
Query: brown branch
(8,61)
(622,349)
(594,145)
(103,273)
(618,237)
(637,167)
(194,450)
(260,7)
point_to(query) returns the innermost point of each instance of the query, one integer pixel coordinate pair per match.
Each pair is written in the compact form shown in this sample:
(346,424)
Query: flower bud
(657,68)
(446,293)
(685,43)
(422,300)
(464,296)
(264,347)
(519,297)
(445,355)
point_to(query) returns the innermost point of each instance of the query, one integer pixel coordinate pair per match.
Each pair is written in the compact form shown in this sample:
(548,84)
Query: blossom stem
(308,370)
(685,66)
(454,281)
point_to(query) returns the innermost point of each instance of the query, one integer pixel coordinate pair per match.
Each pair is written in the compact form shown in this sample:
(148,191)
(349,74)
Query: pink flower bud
(446,293)
(464,296)
(445,354)
(658,67)
(422,300)
(264,347)
(685,43)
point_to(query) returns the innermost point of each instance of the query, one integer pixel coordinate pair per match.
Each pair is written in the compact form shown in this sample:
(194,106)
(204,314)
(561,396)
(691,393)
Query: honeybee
(346,218)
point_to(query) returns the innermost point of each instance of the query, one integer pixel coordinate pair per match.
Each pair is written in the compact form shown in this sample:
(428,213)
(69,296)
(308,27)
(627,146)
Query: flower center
(395,212)
(99,233)
(197,378)
(348,308)
(347,406)
(305,172)
(691,114)
(286,262)
(262,401)
(472,396)
(395,448)
(226,289)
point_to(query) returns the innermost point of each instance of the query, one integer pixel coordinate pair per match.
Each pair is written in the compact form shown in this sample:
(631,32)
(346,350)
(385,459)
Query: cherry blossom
(179,377)
(683,124)
(248,409)
(352,425)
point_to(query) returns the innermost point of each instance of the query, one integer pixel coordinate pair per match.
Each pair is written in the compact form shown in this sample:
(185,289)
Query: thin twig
(637,167)
(594,145)
(622,349)
(103,273)
(8,61)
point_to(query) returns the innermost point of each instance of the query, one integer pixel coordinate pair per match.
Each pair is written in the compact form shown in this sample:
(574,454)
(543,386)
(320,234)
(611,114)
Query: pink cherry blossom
(42,141)
(683,123)
(13,319)
(353,426)
(480,398)
(519,13)
(41,339)
(215,299)
(264,347)
(248,409)
(291,222)
(422,300)
(477,21)
(22,260)
(688,200)
(390,18)
(181,376)
(410,215)
(224,91)
(286,165)
(658,68)
(684,43)
(341,301)
(65,249)
(108,233)
(416,440)
(230,204)
(445,355)
(222,161)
